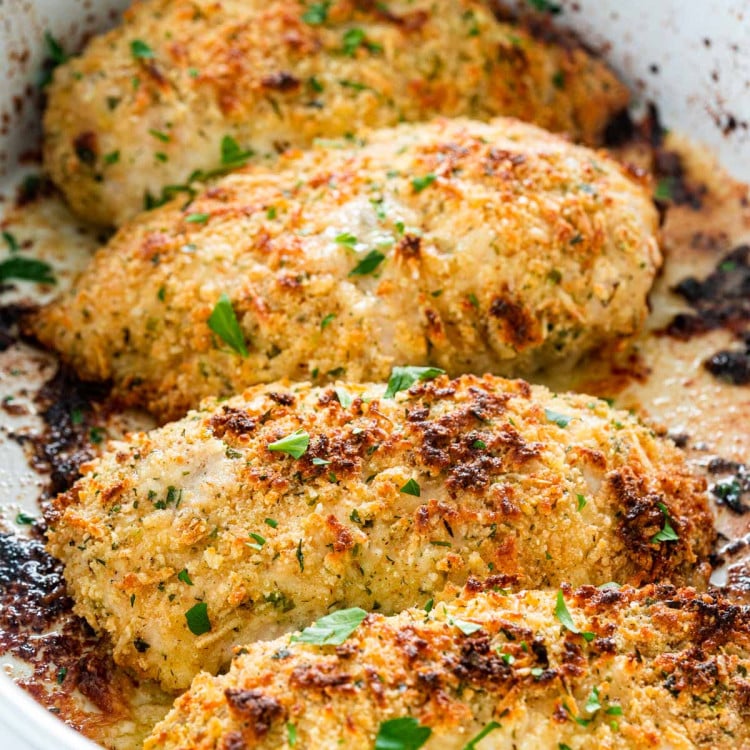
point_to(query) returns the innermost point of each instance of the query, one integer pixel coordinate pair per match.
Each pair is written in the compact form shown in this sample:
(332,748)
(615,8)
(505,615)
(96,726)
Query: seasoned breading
(475,247)
(390,501)
(151,102)
(655,668)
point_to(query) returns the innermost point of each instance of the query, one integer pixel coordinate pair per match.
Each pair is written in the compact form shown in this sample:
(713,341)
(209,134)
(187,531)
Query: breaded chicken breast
(186,86)
(254,516)
(577,669)
(474,247)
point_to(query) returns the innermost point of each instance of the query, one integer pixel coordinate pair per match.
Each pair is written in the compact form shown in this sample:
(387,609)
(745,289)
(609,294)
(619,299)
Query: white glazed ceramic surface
(692,57)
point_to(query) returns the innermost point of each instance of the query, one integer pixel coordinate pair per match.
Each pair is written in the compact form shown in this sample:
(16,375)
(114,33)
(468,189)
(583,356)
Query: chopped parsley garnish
(300,557)
(479,445)
(490,727)
(581,502)
(197,218)
(27,269)
(270,522)
(295,444)
(667,533)
(333,629)
(291,732)
(411,488)
(112,157)
(563,615)
(403,378)
(729,492)
(231,153)
(184,576)
(368,264)
(593,703)
(420,183)
(320,462)
(347,239)
(467,628)
(160,135)
(474,300)
(561,420)
(258,542)
(614,711)
(24,520)
(344,397)
(11,241)
(327,321)
(55,56)
(61,674)
(271,212)
(316,14)
(96,435)
(405,733)
(545,6)
(223,322)
(663,190)
(429,604)
(352,40)
(140,50)
(197,619)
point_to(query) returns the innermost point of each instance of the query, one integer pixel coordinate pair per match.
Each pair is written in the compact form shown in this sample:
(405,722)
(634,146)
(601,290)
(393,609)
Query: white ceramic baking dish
(691,57)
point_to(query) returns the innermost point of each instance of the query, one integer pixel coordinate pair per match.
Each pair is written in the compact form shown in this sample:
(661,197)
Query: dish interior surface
(693,65)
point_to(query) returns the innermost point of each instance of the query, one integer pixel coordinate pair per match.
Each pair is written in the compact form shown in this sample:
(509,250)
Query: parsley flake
(403,378)
(24,520)
(231,153)
(184,576)
(490,727)
(27,269)
(593,704)
(291,732)
(581,502)
(667,533)
(223,322)
(561,420)
(197,619)
(420,183)
(294,444)
(258,543)
(140,50)
(368,264)
(346,238)
(344,397)
(352,40)
(411,488)
(197,218)
(563,615)
(270,522)
(327,320)
(466,627)
(333,629)
(405,733)
(316,14)
(11,241)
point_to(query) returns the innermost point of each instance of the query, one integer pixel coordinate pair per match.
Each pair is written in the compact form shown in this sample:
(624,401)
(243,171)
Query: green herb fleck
(316,14)
(368,264)
(327,321)
(405,733)
(11,241)
(420,183)
(160,135)
(581,502)
(667,533)
(479,445)
(467,628)
(197,619)
(352,40)
(294,444)
(490,727)
(563,615)
(197,218)
(291,733)
(270,522)
(258,543)
(300,557)
(561,420)
(231,153)
(184,576)
(24,520)
(27,269)
(223,322)
(112,157)
(403,378)
(333,629)
(344,397)
(411,488)
(593,704)
(347,239)
(140,50)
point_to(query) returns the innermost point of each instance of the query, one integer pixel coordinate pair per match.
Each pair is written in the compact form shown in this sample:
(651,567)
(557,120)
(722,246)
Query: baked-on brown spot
(234,421)
(519,325)
(281,81)
(321,677)
(255,707)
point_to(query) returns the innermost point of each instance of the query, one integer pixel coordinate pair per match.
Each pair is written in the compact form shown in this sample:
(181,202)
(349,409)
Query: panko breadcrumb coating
(187,85)
(471,246)
(655,668)
(255,516)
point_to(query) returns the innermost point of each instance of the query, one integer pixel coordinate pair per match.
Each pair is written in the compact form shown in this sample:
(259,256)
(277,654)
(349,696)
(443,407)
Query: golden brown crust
(269,542)
(505,249)
(658,667)
(119,125)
